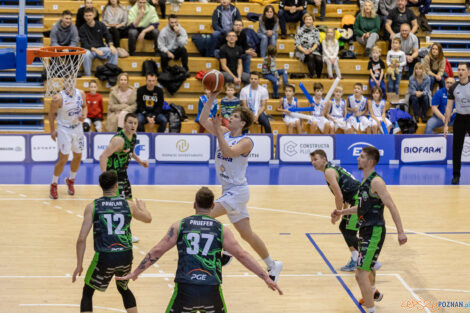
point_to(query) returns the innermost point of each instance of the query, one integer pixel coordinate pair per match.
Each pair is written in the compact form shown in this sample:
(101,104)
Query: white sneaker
(275,270)
(135,239)
(377,266)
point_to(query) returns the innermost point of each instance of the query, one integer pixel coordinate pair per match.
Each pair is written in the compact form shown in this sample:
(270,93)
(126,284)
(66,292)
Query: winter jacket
(217,16)
(115,106)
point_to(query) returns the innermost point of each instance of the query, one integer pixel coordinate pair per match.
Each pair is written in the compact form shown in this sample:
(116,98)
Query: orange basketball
(213,80)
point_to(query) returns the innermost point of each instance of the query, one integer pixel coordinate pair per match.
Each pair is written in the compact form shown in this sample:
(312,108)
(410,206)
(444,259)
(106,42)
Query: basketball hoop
(61,64)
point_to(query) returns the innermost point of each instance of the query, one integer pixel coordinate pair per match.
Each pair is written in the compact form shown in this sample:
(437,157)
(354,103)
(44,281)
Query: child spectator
(94,103)
(270,72)
(286,103)
(337,111)
(376,69)
(330,53)
(357,105)
(399,55)
(202,100)
(228,103)
(377,111)
(319,122)
(268,29)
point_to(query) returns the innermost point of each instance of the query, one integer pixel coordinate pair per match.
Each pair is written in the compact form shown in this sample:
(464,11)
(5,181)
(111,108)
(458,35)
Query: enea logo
(290,148)
(357,148)
(138,149)
(182,145)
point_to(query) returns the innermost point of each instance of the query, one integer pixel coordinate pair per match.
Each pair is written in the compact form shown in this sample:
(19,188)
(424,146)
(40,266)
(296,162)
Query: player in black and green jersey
(344,187)
(110,217)
(372,197)
(200,240)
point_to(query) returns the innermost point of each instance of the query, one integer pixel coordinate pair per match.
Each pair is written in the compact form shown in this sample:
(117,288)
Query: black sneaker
(226,258)
(455,180)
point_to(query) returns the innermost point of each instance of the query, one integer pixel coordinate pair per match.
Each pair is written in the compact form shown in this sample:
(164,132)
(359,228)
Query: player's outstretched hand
(272,285)
(54,135)
(334,217)
(77,272)
(145,164)
(140,204)
(402,239)
(128,277)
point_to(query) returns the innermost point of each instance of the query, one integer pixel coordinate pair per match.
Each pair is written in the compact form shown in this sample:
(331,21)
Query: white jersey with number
(318,107)
(231,171)
(361,105)
(337,109)
(71,109)
(377,108)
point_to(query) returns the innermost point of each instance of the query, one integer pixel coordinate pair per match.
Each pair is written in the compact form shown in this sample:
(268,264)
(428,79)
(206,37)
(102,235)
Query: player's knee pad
(127,296)
(86,305)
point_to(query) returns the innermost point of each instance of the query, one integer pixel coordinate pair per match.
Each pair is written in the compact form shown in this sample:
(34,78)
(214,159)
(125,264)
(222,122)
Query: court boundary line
(69,305)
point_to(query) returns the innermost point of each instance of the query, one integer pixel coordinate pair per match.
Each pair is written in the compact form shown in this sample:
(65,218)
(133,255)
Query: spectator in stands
(434,65)
(291,11)
(150,105)
(63,33)
(271,73)
(424,8)
(202,100)
(376,107)
(268,29)
(255,97)
(367,27)
(286,103)
(122,100)
(376,69)
(320,110)
(375,4)
(143,24)
(228,103)
(398,16)
(115,19)
(171,43)
(94,103)
(330,53)
(409,45)
(81,14)
(92,37)
(396,59)
(223,18)
(419,93)
(160,3)
(385,7)
(321,4)
(307,44)
(439,103)
(231,61)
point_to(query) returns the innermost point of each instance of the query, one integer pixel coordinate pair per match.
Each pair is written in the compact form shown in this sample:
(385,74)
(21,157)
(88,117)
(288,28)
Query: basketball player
(70,107)
(200,240)
(372,197)
(231,161)
(111,217)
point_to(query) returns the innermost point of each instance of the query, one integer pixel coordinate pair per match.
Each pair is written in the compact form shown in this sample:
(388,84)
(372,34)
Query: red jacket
(94,104)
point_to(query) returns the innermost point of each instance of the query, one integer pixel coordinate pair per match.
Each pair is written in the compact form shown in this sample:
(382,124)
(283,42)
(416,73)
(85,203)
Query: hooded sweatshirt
(64,36)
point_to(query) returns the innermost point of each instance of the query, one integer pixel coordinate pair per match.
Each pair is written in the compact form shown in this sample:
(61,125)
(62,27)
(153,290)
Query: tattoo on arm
(170,233)
(148,258)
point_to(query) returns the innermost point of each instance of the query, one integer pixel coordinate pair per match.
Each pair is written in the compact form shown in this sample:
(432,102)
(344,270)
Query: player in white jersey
(285,104)
(231,161)
(337,111)
(319,112)
(70,107)
(357,105)
(377,111)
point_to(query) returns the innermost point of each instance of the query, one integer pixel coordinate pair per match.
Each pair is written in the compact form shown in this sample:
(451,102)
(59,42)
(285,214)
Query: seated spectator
(424,8)
(255,97)
(92,37)
(384,9)
(289,101)
(143,24)
(376,69)
(122,100)
(409,45)
(434,65)
(320,4)
(63,33)
(94,104)
(228,103)
(202,100)
(268,29)
(377,111)
(150,105)
(231,61)
(336,111)
(291,11)
(330,51)
(439,103)
(398,16)
(319,122)
(171,43)
(80,19)
(115,19)
(367,27)
(357,107)
(396,59)
(223,18)
(161,4)
(375,3)
(307,46)
(271,73)
(419,93)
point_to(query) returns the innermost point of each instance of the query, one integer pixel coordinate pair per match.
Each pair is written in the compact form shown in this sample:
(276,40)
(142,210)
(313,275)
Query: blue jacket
(217,16)
(415,86)
(440,100)
(202,100)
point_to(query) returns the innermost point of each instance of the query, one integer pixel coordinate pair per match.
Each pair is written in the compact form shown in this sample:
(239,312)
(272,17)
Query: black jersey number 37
(194,240)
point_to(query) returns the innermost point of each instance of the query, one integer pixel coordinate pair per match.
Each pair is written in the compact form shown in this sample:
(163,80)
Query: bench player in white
(357,106)
(319,112)
(337,111)
(377,111)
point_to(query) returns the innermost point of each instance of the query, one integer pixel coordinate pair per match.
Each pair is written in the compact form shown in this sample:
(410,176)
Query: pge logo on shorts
(357,148)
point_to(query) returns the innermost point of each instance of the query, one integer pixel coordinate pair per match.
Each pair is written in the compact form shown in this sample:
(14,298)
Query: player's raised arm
(115,145)
(81,241)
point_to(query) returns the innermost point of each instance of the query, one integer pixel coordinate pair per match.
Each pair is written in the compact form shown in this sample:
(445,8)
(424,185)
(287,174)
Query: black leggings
(86,305)
(314,64)
(350,236)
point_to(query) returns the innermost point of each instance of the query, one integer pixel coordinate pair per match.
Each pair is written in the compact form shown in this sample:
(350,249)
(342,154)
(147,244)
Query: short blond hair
(377,48)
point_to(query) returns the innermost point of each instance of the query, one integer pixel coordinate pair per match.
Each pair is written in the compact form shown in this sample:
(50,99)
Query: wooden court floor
(39,234)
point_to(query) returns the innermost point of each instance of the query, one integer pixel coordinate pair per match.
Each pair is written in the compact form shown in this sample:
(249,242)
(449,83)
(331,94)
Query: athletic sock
(371,310)
(269,262)
(354,255)
(55,179)
(72,175)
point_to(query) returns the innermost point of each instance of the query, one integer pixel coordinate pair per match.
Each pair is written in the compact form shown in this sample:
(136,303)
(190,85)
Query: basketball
(213,80)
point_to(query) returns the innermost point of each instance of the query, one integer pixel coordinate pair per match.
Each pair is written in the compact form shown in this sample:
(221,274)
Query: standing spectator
(439,102)
(94,103)
(223,18)
(460,92)
(268,29)
(171,43)
(115,18)
(400,61)
(419,93)
(271,73)
(255,98)
(330,53)
(398,16)
(291,11)
(434,65)
(200,107)
(122,100)
(143,24)
(150,105)
(63,33)
(367,27)
(81,14)
(231,61)
(92,34)
(228,103)
(376,69)
(285,104)
(307,43)
(409,45)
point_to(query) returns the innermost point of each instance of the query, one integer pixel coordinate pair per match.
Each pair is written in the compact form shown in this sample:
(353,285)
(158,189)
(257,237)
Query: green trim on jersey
(371,250)
(119,161)
(173,298)
(91,269)
(222,297)
(352,222)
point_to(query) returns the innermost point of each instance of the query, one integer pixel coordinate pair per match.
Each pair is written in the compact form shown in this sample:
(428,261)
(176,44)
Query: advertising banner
(262,148)
(44,149)
(423,149)
(182,148)
(12,148)
(297,148)
(349,147)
